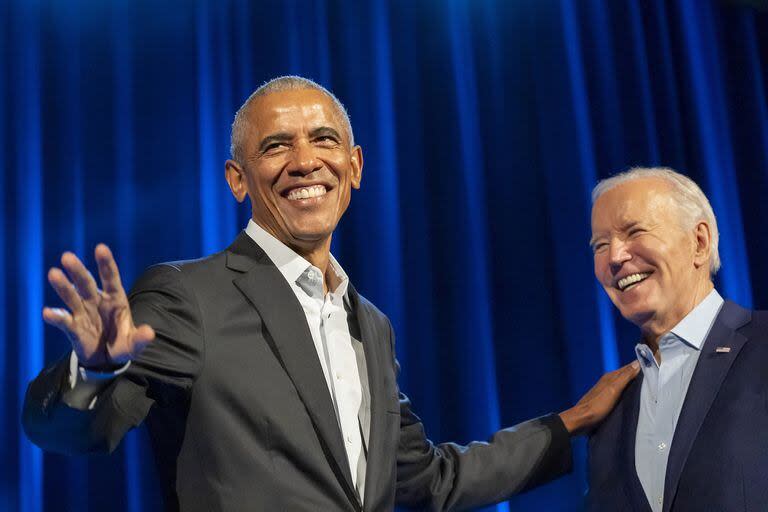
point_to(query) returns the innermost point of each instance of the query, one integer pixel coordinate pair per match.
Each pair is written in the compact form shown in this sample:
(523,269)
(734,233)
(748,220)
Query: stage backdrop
(484,126)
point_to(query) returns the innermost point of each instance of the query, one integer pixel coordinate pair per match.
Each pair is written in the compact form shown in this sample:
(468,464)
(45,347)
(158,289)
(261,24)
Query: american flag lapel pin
(723,350)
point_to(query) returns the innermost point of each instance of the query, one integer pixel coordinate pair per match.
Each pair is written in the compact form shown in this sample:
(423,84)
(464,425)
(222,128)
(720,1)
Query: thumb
(143,336)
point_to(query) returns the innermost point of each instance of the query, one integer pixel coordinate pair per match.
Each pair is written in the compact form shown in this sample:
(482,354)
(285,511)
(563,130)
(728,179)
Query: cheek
(601,267)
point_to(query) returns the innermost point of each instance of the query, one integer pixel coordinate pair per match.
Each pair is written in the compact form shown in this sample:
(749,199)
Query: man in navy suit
(690,433)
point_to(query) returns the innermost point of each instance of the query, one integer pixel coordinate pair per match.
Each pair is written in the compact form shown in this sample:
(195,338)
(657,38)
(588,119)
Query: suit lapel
(372,350)
(629,435)
(289,337)
(711,369)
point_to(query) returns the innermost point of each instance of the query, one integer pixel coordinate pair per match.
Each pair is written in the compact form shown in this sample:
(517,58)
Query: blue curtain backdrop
(484,126)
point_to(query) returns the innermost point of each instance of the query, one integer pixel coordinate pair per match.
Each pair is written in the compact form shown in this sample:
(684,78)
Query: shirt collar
(695,326)
(691,330)
(290,264)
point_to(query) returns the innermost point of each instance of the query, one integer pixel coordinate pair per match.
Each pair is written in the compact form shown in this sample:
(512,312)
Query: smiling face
(299,167)
(653,269)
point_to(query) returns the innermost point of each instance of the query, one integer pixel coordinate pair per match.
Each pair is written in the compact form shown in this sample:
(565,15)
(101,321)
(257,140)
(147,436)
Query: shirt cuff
(85,385)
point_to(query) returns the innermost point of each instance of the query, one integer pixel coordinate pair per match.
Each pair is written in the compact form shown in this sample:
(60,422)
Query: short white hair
(692,203)
(241,125)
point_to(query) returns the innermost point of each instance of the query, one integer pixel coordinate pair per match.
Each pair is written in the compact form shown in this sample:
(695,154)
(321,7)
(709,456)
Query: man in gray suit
(266,381)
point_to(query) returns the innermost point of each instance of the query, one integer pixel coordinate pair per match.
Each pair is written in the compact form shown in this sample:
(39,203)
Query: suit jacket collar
(288,334)
(378,454)
(711,370)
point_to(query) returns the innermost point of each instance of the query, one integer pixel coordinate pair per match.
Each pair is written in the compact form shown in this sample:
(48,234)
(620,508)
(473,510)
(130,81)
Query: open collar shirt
(337,350)
(663,391)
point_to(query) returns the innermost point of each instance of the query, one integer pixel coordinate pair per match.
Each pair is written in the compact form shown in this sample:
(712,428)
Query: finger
(59,318)
(631,369)
(626,374)
(143,336)
(79,275)
(108,272)
(65,290)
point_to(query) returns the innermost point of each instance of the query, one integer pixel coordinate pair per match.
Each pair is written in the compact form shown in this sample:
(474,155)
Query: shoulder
(370,308)
(760,318)
(374,314)
(179,274)
(757,328)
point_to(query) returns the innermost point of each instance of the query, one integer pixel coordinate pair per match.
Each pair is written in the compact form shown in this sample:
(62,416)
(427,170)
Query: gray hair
(690,200)
(242,125)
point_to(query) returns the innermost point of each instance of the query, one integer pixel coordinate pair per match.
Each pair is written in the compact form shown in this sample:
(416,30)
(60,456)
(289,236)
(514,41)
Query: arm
(453,477)
(160,373)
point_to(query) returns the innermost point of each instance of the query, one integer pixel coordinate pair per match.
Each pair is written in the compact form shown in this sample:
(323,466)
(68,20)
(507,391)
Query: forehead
(640,200)
(293,110)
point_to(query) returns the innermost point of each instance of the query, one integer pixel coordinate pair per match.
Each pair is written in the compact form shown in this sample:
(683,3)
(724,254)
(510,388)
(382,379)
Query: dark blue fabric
(484,125)
(718,459)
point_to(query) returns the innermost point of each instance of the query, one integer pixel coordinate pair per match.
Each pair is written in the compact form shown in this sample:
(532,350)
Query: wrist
(574,419)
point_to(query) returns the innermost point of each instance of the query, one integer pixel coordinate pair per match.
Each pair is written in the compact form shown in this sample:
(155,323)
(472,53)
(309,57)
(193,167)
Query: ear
(235,176)
(703,241)
(356,159)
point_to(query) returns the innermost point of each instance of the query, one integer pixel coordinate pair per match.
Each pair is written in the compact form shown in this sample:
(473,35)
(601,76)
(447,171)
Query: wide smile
(306,195)
(632,280)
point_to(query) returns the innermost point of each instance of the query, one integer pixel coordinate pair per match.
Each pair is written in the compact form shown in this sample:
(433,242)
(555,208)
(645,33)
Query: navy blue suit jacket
(719,455)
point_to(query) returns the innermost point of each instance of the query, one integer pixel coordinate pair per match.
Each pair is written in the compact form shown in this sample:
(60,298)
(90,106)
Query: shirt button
(338,376)
(349,440)
(660,500)
(662,446)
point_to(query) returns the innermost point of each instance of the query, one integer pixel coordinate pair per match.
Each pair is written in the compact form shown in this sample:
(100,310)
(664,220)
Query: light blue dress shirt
(663,392)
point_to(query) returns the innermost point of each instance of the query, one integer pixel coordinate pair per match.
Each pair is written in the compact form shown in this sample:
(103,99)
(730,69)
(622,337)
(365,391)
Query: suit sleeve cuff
(560,457)
(85,385)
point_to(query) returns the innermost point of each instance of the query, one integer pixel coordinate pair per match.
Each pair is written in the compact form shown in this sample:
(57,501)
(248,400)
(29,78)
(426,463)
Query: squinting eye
(636,231)
(274,146)
(599,247)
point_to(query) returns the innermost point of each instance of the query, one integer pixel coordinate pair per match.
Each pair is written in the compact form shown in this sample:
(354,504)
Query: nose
(618,254)
(304,160)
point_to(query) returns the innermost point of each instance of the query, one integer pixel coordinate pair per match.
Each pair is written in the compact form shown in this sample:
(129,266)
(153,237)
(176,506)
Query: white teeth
(631,279)
(306,192)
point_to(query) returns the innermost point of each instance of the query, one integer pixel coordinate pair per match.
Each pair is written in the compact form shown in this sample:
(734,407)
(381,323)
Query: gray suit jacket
(240,416)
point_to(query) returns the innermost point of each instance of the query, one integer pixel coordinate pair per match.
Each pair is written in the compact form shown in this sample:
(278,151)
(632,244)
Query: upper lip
(284,192)
(622,275)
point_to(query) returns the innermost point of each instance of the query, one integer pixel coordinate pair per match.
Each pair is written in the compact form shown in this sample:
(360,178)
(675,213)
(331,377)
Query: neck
(659,326)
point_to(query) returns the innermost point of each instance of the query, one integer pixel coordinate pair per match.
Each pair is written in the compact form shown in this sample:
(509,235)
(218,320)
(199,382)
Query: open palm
(97,322)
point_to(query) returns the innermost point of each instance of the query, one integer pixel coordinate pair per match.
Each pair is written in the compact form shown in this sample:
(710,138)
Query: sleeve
(163,373)
(85,385)
(452,477)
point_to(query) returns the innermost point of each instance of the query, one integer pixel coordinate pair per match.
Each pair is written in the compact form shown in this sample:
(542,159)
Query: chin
(311,235)
(638,316)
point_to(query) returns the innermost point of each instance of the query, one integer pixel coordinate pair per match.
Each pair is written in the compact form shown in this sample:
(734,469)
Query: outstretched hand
(599,401)
(97,322)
